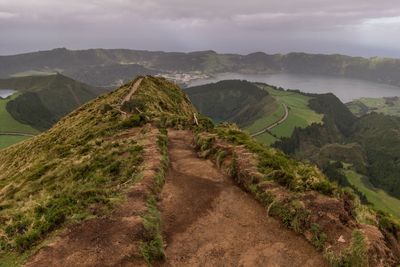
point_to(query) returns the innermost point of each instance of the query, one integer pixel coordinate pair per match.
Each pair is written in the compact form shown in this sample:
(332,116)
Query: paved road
(273,125)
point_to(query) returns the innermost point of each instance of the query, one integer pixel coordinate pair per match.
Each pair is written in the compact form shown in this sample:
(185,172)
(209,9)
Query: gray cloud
(358,27)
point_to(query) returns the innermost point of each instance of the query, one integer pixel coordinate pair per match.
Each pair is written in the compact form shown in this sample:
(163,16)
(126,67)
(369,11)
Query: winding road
(18,134)
(273,125)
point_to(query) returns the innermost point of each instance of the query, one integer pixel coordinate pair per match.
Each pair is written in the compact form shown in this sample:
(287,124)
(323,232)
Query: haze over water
(346,89)
(6,92)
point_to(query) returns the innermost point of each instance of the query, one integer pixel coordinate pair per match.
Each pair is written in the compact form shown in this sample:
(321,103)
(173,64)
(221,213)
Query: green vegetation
(356,255)
(235,101)
(377,197)
(152,247)
(277,166)
(8,140)
(300,115)
(81,167)
(254,107)
(269,117)
(66,170)
(293,200)
(371,144)
(379,135)
(385,105)
(43,100)
(8,124)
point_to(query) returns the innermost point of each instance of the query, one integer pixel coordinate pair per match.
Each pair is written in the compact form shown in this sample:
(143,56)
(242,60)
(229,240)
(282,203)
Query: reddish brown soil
(209,221)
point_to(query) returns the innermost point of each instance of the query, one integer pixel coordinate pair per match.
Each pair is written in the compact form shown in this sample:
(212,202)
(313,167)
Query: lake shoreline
(345,89)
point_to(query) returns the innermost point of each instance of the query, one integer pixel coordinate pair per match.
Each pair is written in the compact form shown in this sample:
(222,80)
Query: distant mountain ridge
(68,62)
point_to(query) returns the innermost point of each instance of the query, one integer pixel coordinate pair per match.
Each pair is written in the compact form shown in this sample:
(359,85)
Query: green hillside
(377,197)
(81,167)
(9,125)
(371,144)
(385,105)
(254,106)
(235,101)
(43,100)
(300,114)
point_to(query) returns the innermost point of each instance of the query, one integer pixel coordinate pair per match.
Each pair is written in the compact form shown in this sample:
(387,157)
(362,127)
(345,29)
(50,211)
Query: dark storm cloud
(361,27)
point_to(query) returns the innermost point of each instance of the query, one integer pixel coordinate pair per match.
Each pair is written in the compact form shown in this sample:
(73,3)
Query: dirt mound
(209,221)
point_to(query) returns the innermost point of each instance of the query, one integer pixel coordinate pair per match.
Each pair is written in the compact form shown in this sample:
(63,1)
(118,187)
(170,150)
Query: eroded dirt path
(209,221)
(133,89)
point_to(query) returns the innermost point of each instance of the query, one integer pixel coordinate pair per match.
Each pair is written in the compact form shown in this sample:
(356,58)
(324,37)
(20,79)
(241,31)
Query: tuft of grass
(318,236)
(152,245)
(355,256)
(275,165)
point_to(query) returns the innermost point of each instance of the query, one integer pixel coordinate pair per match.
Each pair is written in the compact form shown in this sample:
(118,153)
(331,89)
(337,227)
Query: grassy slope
(235,101)
(55,178)
(377,197)
(300,115)
(380,105)
(43,100)
(8,123)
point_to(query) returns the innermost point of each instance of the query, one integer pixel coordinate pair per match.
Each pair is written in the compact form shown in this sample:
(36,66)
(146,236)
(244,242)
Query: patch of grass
(377,197)
(277,166)
(319,237)
(300,115)
(293,215)
(8,123)
(268,118)
(152,245)
(266,138)
(356,255)
(8,140)
(387,106)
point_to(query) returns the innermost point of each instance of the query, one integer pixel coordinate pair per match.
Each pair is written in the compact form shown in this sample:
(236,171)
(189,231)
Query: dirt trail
(16,133)
(209,221)
(134,87)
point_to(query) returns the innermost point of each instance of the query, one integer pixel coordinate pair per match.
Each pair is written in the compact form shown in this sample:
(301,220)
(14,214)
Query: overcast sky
(355,27)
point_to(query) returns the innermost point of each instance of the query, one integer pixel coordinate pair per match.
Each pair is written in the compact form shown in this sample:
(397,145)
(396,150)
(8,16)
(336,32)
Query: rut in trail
(209,221)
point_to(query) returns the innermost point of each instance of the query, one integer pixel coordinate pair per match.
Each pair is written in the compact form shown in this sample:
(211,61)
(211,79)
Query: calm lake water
(6,92)
(345,89)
